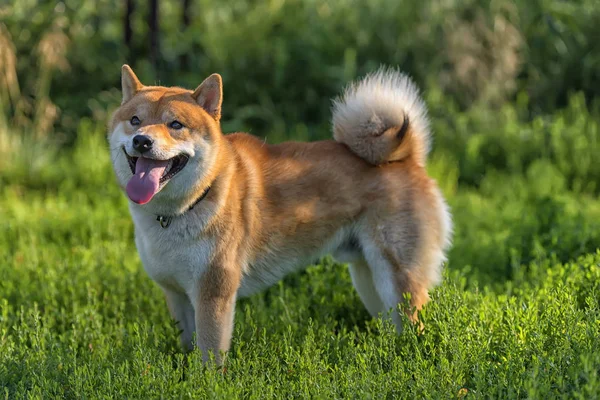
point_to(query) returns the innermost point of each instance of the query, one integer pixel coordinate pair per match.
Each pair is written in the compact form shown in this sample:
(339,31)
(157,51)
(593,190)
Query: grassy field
(513,93)
(517,316)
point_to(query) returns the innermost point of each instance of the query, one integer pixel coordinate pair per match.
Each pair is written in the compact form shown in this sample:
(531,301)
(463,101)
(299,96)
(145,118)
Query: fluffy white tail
(382,118)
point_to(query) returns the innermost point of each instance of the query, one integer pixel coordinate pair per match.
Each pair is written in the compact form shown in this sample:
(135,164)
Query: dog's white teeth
(168,167)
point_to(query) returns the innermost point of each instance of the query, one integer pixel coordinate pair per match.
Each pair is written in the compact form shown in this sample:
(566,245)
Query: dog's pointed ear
(209,95)
(130,84)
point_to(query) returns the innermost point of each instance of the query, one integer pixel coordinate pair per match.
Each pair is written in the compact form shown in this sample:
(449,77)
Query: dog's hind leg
(362,279)
(392,279)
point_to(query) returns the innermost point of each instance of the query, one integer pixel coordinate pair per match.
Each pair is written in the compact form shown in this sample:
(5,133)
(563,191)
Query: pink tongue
(144,184)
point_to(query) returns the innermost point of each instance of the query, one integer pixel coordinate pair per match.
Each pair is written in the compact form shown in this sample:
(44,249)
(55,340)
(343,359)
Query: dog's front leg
(182,312)
(214,308)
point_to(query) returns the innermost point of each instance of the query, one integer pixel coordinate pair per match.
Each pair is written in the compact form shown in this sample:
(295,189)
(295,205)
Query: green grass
(512,89)
(517,316)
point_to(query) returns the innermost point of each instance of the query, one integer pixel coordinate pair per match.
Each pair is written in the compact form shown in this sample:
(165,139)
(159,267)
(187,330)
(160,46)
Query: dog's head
(164,141)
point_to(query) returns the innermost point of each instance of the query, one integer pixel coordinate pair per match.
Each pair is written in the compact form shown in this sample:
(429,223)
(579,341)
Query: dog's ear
(209,95)
(130,84)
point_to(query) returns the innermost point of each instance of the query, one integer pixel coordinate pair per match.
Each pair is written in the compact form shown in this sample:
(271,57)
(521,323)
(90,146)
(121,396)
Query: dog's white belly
(273,266)
(267,272)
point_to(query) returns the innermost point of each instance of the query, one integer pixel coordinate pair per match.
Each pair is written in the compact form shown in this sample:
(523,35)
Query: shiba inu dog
(219,217)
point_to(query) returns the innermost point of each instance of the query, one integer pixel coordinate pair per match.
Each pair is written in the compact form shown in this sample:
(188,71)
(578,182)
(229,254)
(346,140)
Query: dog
(219,217)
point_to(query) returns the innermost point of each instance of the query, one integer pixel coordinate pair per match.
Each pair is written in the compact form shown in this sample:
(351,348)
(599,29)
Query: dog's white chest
(174,257)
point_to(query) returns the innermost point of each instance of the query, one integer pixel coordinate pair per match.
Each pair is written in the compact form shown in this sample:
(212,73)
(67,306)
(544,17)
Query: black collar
(165,221)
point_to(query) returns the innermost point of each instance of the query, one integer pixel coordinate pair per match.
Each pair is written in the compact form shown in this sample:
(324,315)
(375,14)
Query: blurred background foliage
(512,89)
(282,60)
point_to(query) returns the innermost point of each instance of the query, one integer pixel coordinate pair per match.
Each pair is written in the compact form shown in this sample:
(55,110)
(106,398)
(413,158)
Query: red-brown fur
(269,202)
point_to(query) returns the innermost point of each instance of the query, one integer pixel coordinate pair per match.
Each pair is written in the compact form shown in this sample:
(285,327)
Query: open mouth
(173,167)
(150,175)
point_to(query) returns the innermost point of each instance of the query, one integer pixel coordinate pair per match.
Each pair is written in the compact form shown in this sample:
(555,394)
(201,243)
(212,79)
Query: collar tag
(166,221)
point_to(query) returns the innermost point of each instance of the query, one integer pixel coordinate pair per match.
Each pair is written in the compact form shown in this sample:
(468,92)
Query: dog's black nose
(142,143)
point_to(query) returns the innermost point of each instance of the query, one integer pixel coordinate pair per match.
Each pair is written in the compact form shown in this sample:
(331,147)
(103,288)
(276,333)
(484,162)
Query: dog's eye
(175,125)
(134,120)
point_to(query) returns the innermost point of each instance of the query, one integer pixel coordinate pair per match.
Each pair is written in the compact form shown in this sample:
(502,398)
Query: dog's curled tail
(382,118)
